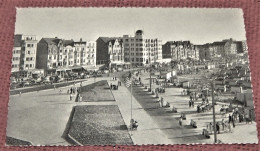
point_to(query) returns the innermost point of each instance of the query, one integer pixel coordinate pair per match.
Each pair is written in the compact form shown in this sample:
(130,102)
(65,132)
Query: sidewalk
(148,132)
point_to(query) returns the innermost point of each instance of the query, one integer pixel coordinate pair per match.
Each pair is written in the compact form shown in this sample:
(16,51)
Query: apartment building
(140,50)
(91,53)
(110,51)
(24,53)
(59,55)
(180,50)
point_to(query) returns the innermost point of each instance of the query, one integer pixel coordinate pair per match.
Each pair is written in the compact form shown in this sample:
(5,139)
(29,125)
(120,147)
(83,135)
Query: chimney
(80,40)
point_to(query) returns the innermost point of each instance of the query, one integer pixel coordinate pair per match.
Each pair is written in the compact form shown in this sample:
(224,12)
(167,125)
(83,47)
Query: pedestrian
(189,104)
(230,127)
(71,90)
(223,124)
(233,121)
(70,97)
(192,103)
(20,94)
(79,98)
(229,118)
(210,127)
(54,87)
(180,121)
(217,128)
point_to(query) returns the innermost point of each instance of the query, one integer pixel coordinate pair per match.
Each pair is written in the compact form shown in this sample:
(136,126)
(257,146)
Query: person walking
(70,97)
(217,128)
(223,124)
(229,118)
(210,127)
(180,122)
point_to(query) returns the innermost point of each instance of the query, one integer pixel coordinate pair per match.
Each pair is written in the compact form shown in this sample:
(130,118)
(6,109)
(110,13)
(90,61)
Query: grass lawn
(95,92)
(99,125)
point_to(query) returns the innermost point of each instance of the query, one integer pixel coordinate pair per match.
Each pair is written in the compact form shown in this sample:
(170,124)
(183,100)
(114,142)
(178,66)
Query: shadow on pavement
(197,137)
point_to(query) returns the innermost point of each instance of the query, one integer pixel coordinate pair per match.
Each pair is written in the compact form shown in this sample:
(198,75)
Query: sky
(199,25)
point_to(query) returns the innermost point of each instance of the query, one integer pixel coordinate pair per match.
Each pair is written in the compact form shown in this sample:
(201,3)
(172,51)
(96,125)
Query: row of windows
(30,45)
(29,65)
(70,56)
(16,58)
(16,51)
(30,52)
(15,65)
(115,46)
(29,59)
(70,50)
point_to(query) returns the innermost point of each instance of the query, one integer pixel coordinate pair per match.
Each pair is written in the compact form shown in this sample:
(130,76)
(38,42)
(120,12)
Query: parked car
(25,83)
(47,79)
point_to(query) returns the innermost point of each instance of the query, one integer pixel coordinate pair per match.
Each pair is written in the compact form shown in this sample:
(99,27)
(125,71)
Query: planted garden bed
(98,125)
(99,91)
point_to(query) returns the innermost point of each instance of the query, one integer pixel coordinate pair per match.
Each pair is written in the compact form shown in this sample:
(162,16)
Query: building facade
(24,53)
(140,50)
(59,54)
(110,51)
(180,50)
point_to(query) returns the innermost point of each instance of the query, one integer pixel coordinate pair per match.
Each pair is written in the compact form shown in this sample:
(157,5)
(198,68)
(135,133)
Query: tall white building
(139,50)
(24,53)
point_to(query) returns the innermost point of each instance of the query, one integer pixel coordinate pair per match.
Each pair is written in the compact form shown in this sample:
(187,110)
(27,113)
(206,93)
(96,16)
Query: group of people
(72,90)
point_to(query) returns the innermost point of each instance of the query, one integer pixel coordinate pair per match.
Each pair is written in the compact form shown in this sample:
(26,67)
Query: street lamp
(213,106)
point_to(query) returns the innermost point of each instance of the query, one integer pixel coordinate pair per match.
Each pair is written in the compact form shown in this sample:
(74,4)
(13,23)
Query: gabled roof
(51,40)
(111,39)
(17,40)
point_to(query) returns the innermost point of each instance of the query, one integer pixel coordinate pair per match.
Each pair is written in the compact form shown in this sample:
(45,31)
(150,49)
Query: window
(28,52)
(60,56)
(17,51)
(60,50)
(30,65)
(50,57)
(133,59)
(26,65)
(55,57)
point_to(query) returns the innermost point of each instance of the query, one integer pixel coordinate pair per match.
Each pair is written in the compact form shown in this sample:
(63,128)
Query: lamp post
(214,115)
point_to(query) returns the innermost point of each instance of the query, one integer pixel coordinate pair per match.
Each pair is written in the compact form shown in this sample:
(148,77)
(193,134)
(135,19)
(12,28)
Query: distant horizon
(197,25)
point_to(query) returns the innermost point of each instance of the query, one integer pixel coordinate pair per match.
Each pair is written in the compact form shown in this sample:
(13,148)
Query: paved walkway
(41,117)
(174,97)
(148,131)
